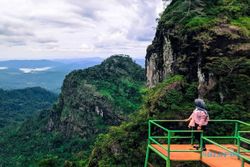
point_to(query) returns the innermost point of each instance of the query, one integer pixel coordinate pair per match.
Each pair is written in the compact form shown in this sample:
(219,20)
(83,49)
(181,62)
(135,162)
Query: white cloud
(34,70)
(32,29)
(3,68)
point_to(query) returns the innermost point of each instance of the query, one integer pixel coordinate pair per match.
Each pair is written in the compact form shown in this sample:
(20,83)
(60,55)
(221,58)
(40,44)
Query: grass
(199,22)
(243,23)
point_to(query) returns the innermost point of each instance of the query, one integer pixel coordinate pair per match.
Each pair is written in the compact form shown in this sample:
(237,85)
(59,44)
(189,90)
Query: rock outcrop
(91,99)
(190,42)
(160,62)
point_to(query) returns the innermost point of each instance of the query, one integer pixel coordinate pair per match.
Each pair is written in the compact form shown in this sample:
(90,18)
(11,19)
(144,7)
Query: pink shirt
(198,117)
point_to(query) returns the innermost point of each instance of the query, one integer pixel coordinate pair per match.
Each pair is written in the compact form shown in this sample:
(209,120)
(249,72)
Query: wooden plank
(179,156)
(218,157)
(214,156)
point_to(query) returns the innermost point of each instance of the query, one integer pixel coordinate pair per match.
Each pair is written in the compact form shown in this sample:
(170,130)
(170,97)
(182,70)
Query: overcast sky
(51,29)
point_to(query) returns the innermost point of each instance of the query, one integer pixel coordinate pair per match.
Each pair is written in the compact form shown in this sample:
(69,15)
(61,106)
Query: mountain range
(48,74)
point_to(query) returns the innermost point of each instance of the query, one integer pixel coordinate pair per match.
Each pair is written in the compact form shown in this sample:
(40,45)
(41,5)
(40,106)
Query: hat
(200,103)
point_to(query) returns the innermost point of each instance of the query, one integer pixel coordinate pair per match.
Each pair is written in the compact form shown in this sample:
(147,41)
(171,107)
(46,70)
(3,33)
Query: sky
(65,29)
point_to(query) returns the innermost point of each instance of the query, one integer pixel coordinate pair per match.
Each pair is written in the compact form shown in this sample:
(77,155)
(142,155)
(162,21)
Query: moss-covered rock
(202,34)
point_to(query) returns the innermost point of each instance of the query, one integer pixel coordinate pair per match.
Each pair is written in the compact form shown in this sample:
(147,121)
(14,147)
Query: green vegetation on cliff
(200,14)
(210,44)
(243,23)
(117,78)
(18,105)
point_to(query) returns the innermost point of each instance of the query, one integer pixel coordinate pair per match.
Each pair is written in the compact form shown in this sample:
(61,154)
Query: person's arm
(190,117)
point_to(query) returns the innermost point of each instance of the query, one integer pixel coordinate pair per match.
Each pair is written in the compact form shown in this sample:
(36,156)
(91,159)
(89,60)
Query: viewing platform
(224,149)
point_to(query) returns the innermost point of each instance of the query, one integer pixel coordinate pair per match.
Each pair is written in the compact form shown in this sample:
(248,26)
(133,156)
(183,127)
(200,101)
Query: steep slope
(18,105)
(125,145)
(201,48)
(208,42)
(100,95)
(91,100)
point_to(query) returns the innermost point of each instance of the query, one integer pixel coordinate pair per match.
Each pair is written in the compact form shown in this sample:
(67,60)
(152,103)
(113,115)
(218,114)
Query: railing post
(149,129)
(201,144)
(238,144)
(148,143)
(242,162)
(147,156)
(168,162)
(237,138)
(236,129)
(169,142)
(192,136)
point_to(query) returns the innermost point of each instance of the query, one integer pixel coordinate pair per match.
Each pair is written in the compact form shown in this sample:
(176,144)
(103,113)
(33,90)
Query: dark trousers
(197,135)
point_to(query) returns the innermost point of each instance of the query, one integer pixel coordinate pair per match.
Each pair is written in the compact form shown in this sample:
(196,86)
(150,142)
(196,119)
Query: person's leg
(197,135)
(204,128)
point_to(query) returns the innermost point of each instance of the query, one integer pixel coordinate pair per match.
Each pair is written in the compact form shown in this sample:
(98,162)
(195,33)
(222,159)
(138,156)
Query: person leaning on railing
(199,120)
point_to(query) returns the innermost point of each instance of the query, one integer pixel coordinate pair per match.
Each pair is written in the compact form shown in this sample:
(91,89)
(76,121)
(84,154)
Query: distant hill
(48,74)
(18,105)
(19,74)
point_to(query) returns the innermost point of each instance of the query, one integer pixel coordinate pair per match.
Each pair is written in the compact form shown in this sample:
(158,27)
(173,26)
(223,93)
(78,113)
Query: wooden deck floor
(213,157)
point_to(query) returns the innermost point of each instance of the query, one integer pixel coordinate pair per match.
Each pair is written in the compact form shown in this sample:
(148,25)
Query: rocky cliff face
(93,99)
(193,36)
(159,62)
(82,110)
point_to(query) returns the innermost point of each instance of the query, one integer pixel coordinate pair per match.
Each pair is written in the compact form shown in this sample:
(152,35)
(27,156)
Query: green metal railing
(170,134)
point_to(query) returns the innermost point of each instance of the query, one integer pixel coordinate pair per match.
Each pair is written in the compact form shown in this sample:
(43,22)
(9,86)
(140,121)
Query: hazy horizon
(67,58)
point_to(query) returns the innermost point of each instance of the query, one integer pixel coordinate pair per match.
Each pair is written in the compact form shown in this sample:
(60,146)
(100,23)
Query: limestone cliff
(97,97)
(195,37)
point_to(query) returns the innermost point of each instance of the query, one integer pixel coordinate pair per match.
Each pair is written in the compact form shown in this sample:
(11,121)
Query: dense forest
(19,105)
